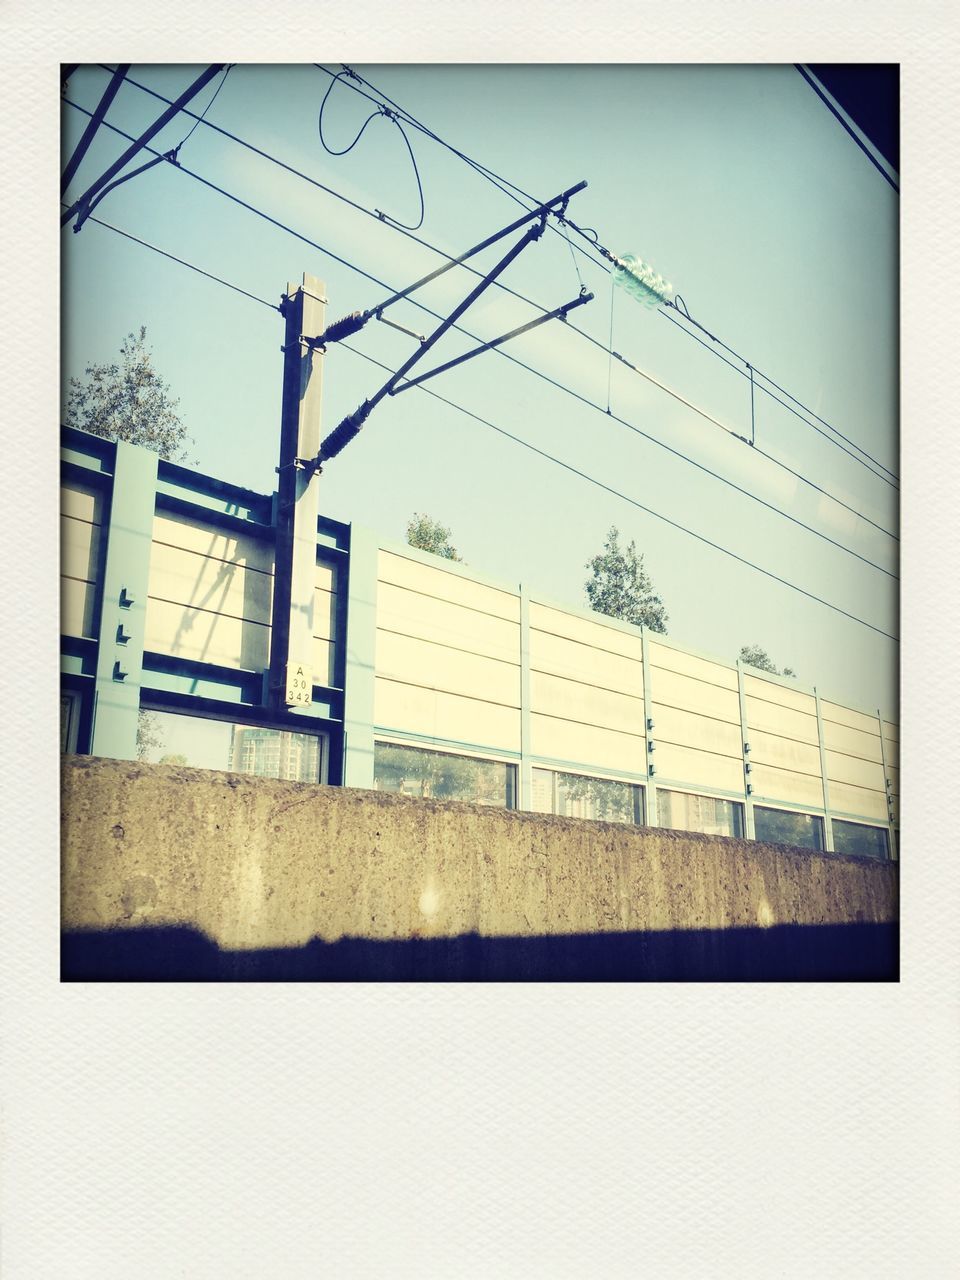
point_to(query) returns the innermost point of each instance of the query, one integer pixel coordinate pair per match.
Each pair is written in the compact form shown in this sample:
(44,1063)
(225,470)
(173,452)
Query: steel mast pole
(290,675)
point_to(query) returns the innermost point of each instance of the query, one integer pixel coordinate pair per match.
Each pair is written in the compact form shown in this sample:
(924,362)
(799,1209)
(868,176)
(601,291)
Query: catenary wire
(863,461)
(330,191)
(183,263)
(592,238)
(529,368)
(633,502)
(531,302)
(517,439)
(503,183)
(391,115)
(201,118)
(336,151)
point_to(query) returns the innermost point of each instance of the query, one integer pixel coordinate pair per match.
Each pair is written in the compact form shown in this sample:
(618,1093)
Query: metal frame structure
(115,675)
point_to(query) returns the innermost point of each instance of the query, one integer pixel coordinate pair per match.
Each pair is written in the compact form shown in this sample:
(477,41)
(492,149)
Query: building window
(574,795)
(780,826)
(439,775)
(69,720)
(167,738)
(683,812)
(860,840)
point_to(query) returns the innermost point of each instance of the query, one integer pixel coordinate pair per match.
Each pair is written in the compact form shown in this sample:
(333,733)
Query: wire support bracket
(351,425)
(559,314)
(86,201)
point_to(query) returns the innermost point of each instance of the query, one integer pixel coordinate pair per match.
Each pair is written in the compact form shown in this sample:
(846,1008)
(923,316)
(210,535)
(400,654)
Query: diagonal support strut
(559,314)
(81,203)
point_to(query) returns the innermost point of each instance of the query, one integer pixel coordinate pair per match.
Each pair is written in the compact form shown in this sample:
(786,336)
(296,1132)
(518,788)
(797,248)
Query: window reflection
(713,817)
(168,738)
(69,720)
(413,771)
(575,795)
(780,826)
(859,840)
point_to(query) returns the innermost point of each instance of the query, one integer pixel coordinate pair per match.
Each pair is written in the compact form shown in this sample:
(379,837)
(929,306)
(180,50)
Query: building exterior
(428,679)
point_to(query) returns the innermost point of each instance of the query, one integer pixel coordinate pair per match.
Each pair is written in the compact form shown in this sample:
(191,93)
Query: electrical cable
(333,151)
(516,439)
(632,501)
(529,368)
(587,233)
(744,373)
(409,226)
(503,184)
(200,119)
(183,263)
(381,111)
(521,297)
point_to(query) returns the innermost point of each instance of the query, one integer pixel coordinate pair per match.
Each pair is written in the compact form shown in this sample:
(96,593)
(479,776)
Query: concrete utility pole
(290,677)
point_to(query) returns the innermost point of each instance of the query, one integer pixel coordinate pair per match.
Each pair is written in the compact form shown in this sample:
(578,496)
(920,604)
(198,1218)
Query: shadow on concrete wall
(782,953)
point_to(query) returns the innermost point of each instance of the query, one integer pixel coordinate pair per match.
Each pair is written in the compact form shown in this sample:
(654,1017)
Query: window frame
(259,718)
(800,813)
(738,806)
(867,826)
(461,753)
(639,789)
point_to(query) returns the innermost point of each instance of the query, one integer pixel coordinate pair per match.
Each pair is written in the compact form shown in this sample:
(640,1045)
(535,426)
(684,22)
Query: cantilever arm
(559,314)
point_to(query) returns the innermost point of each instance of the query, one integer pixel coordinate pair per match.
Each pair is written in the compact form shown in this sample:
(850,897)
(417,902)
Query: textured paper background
(555,1131)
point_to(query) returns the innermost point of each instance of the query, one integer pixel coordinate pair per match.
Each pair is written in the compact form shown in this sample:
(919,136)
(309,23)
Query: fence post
(749,822)
(123,603)
(359,668)
(650,790)
(891,826)
(525,788)
(827,820)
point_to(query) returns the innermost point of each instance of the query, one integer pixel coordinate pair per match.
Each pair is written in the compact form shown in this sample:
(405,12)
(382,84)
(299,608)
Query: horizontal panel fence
(592,717)
(428,679)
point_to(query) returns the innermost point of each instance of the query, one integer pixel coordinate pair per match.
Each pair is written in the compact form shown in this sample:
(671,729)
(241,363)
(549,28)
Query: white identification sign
(299,685)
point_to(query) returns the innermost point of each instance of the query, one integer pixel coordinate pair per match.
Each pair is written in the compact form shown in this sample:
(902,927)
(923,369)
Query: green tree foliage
(620,586)
(753,656)
(149,735)
(430,535)
(128,401)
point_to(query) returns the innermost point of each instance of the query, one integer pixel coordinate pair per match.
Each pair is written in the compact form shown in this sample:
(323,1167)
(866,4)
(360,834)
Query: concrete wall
(224,865)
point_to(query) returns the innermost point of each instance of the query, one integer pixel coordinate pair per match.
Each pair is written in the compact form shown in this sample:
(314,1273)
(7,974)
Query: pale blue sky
(734,182)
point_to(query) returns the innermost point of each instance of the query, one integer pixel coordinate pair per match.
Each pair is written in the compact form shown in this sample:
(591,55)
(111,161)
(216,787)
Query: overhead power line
(633,502)
(861,456)
(529,368)
(608,349)
(518,440)
(183,263)
(509,188)
(389,115)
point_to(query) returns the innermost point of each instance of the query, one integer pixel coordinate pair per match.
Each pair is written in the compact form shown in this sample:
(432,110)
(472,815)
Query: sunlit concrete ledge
(255,865)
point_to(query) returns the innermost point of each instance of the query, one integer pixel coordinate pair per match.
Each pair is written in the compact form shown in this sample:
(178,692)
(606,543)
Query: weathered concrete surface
(256,864)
